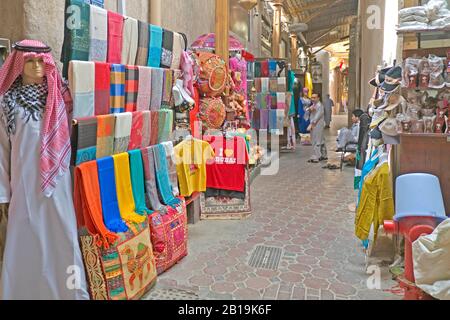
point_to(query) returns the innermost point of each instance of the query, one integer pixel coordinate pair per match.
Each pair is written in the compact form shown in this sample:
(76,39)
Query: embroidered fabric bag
(125,271)
(169,236)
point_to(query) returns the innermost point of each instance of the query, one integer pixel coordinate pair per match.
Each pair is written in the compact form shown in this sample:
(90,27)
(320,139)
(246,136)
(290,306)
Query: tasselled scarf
(31,97)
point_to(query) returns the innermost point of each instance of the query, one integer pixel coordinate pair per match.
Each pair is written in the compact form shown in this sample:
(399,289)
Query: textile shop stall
(274,107)
(222,113)
(409,134)
(131,216)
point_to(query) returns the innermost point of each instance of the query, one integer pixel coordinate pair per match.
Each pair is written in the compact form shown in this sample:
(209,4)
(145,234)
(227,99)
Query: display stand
(424,153)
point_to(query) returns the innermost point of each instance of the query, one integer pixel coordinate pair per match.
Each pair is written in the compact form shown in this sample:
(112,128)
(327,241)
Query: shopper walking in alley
(328,105)
(317,128)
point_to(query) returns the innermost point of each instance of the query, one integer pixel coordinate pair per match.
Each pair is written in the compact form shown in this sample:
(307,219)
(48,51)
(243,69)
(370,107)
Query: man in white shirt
(346,135)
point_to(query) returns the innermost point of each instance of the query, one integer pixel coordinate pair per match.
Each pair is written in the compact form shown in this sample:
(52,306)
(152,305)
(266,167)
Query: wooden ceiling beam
(311,6)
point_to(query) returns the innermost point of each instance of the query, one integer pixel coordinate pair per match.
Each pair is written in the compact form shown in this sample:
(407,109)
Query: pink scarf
(55,145)
(115,37)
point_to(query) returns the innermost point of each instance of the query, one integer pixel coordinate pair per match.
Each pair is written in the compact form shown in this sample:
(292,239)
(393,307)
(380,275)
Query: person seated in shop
(349,136)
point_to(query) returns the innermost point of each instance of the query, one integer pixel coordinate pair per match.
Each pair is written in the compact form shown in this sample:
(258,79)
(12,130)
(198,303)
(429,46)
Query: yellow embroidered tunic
(377,202)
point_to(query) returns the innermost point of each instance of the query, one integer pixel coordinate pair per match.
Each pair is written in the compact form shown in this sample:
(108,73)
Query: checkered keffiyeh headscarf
(55,145)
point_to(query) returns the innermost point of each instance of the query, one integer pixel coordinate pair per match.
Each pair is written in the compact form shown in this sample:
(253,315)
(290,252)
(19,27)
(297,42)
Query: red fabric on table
(115,37)
(227,172)
(137,131)
(102,88)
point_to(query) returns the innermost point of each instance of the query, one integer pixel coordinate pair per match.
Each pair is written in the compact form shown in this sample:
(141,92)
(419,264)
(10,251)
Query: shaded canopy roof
(328,20)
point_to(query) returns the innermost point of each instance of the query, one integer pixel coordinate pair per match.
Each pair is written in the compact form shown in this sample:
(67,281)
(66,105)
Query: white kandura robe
(42,247)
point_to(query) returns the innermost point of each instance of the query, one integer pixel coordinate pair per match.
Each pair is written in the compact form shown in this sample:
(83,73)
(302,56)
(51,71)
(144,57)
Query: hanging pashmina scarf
(102,88)
(98,48)
(76,40)
(178,48)
(117,99)
(162,177)
(115,37)
(86,140)
(82,87)
(144,89)
(154,127)
(88,205)
(264,122)
(124,189)
(136,134)
(165,125)
(258,85)
(157,89)
(138,181)
(170,155)
(258,73)
(273,69)
(131,88)
(150,180)
(146,129)
(256,123)
(130,41)
(143,44)
(122,132)
(108,195)
(105,135)
(265,69)
(167,89)
(167,49)
(155,49)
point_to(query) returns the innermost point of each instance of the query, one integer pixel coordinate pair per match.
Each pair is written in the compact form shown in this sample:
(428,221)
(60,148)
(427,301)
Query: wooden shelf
(425,135)
(422,31)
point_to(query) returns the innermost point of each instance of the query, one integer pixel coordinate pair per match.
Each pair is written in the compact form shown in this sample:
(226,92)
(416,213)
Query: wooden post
(155,12)
(222,29)
(294,51)
(276,34)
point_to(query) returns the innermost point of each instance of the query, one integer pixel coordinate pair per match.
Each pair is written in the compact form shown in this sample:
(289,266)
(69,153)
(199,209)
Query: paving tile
(257,283)
(224,287)
(202,280)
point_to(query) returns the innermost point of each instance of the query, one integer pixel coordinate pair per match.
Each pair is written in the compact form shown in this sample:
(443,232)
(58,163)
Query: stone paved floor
(303,210)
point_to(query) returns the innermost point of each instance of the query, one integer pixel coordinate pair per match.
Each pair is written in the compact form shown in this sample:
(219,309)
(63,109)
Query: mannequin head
(33,70)
(239,55)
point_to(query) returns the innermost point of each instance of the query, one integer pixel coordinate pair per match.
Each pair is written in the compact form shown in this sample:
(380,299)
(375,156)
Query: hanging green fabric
(138,182)
(292,110)
(76,34)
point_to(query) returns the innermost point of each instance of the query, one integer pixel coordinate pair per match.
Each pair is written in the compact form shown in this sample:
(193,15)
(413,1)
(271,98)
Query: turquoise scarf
(138,181)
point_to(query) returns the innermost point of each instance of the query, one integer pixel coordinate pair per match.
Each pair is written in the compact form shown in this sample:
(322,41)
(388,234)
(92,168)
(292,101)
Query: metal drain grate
(266,258)
(172,294)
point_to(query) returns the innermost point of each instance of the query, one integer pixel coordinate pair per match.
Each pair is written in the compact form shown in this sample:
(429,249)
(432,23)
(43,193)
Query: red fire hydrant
(419,210)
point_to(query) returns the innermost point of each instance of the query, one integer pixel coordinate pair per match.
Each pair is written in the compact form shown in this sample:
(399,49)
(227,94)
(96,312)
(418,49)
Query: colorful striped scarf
(138,181)
(88,205)
(130,41)
(144,89)
(98,48)
(117,93)
(137,127)
(170,155)
(167,89)
(86,140)
(157,88)
(155,48)
(150,180)
(127,205)
(143,44)
(82,87)
(131,88)
(108,195)
(167,49)
(122,132)
(162,176)
(76,40)
(146,119)
(102,88)
(105,135)
(115,37)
